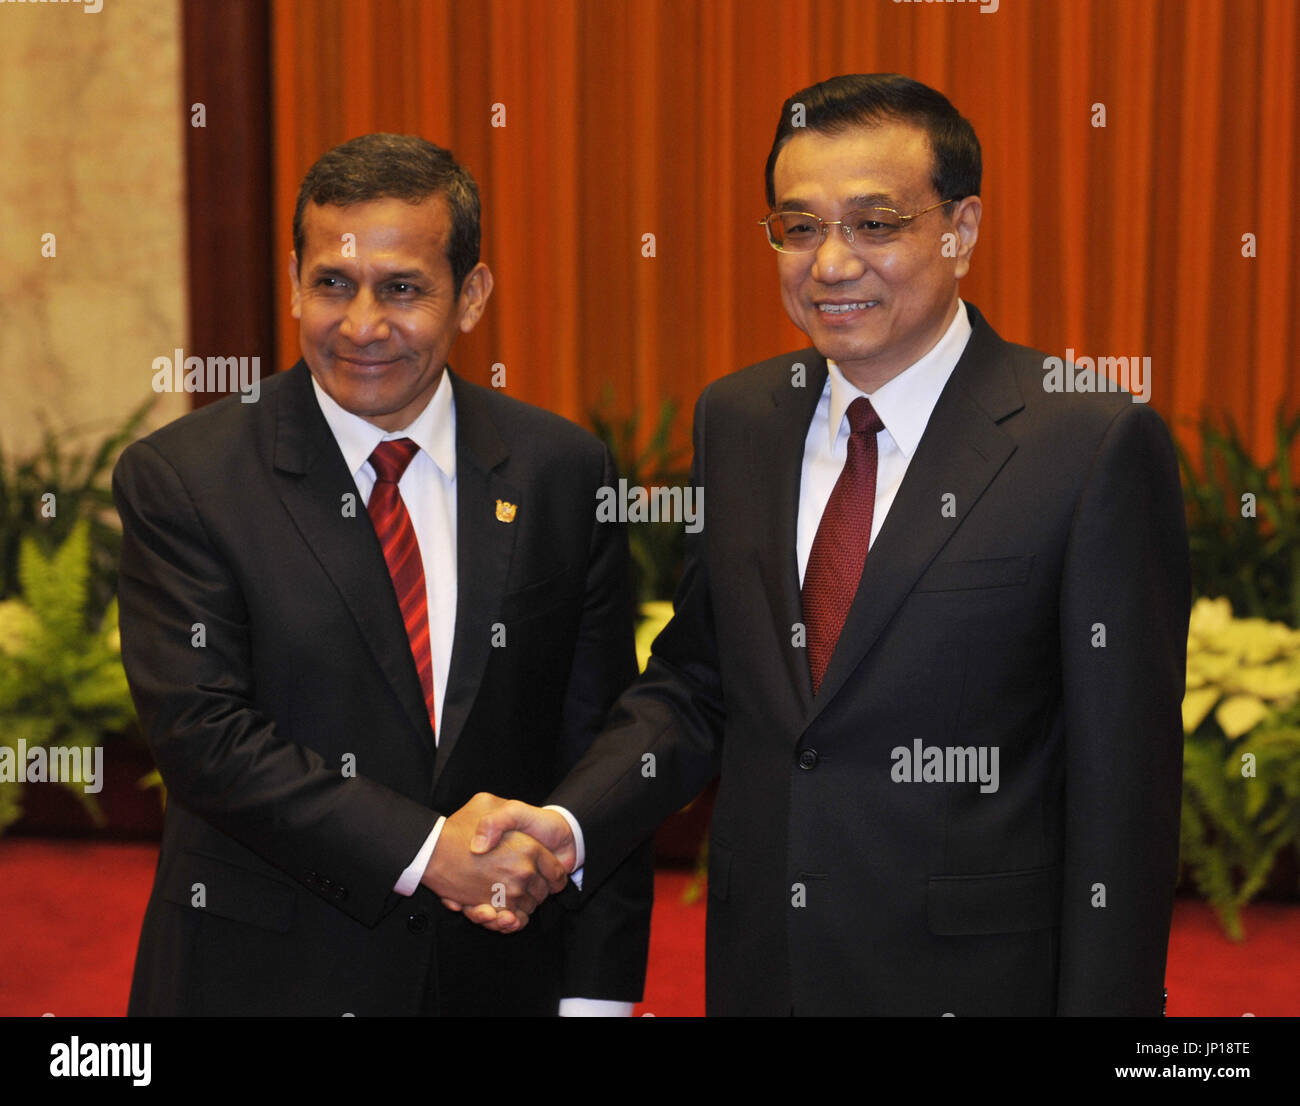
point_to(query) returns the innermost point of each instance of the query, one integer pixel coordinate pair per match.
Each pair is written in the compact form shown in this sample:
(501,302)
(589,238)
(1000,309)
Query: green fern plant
(1243,520)
(1241,763)
(61,676)
(657,548)
(1241,756)
(43,496)
(1234,828)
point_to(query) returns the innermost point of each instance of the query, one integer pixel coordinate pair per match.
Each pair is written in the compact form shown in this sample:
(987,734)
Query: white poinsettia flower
(1273,682)
(1196,705)
(1209,617)
(1239,714)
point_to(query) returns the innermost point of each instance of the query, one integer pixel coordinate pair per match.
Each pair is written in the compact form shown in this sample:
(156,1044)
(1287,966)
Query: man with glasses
(932,633)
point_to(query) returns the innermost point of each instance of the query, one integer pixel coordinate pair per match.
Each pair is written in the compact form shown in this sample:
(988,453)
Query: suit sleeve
(607,938)
(185,647)
(1125,600)
(663,741)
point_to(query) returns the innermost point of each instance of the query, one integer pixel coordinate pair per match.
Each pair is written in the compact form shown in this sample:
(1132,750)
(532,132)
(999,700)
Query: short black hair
(404,167)
(865,99)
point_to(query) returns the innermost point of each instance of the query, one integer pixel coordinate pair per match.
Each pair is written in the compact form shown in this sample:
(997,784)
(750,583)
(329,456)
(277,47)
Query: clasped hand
(496,861)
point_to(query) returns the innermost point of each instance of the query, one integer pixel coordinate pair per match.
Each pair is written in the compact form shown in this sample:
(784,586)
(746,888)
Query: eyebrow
(339,271)
(870,199)
(873,199)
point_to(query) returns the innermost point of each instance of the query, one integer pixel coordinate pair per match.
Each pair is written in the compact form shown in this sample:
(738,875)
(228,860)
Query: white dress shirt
(904,405)
(428,489)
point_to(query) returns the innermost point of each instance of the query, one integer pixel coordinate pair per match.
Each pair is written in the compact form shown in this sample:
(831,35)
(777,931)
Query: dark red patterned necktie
(840,548)
(402,552)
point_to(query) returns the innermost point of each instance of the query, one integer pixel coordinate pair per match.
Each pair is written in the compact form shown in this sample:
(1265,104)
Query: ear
(474,295)
(294,287)
(966,225)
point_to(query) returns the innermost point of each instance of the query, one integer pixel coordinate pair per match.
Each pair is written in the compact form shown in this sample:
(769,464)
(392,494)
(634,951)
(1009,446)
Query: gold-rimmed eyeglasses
(802,231)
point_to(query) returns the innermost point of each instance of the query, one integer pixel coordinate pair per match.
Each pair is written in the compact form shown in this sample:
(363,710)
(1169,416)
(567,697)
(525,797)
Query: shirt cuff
(581,850)
(409,880)
(594,1007)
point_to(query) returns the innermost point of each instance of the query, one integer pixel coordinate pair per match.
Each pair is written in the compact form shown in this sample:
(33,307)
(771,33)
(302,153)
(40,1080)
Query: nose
(835,260)
(364,321)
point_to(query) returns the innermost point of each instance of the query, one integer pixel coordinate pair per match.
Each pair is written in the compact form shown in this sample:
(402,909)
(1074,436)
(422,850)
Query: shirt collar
(905,402)
(433,429)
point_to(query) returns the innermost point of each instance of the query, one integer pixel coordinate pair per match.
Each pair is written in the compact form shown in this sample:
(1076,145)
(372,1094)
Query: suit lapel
(483,548)
(776,460)
(962,449)
(313,479)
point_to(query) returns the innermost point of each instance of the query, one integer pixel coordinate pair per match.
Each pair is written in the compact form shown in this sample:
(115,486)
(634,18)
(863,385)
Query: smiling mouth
(367,362)
(845,308)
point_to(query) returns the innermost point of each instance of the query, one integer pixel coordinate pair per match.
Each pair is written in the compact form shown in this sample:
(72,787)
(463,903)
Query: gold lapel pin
(506,511)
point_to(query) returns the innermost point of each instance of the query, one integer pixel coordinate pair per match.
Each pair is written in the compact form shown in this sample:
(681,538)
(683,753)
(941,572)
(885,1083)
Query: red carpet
(70,914)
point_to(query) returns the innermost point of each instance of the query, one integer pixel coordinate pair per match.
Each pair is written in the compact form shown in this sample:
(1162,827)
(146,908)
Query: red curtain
(654,117)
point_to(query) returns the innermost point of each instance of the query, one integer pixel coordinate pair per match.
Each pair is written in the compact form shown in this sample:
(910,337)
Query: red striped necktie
(402,552)
(839,551)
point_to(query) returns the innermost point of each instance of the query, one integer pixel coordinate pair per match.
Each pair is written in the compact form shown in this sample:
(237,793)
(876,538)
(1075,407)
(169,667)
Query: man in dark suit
(950,765)
(346,609)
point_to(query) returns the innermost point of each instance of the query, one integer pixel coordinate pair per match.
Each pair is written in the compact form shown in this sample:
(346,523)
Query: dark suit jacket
(834,889)
(300,764)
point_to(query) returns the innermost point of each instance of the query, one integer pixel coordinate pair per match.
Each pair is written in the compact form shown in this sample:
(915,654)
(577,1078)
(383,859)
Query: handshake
(496,860)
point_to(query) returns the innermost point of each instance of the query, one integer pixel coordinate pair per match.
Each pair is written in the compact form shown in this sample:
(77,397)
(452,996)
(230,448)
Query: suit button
(340,893)
(417,923)
(808,759)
